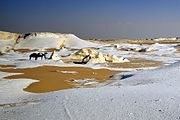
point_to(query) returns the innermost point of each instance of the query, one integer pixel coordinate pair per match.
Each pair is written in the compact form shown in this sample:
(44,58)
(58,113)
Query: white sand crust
(152,94)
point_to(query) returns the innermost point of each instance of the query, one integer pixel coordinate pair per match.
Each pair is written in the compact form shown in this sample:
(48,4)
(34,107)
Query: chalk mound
(47,40)
(96,57)
(40,41)
(72,41)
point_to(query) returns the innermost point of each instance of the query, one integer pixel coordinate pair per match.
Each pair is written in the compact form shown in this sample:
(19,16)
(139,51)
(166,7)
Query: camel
(36,55)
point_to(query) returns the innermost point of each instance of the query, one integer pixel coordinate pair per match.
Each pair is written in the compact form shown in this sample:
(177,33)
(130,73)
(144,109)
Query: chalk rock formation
(139,49)
(9,36)
(55,56)
(7,41)
(97,57)
(44,40)
(6,49)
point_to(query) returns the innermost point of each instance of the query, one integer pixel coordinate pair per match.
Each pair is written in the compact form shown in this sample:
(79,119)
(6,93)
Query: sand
(143,95)
(7,66)
(53,78)
(51,49)
(24,50)
(147,95)
(137,63)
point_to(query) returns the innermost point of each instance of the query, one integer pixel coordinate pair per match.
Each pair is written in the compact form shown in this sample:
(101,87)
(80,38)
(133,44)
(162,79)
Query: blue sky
(93,18)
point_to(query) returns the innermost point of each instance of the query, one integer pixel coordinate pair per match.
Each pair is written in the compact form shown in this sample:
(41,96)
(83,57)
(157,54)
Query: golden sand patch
(7,66)
(52,78)
(24,50)
(136,63)
(51,49)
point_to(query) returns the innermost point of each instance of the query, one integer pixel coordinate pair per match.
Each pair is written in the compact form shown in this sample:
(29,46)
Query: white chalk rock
(55,56)
(6,49)
(97,57)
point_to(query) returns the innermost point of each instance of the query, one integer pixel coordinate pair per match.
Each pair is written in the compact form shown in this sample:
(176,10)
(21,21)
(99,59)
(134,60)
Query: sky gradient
(93,18)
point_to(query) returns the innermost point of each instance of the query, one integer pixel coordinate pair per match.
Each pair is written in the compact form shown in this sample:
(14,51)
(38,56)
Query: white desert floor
(136,95)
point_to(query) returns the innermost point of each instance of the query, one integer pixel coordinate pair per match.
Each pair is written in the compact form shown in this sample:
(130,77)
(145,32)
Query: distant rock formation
(138,49)
(159,39)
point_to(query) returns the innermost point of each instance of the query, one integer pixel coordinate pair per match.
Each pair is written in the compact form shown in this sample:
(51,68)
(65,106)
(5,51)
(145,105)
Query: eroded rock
(97,57)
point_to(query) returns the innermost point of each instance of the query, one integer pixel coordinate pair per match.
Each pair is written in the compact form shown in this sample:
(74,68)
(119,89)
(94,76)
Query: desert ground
(92,79)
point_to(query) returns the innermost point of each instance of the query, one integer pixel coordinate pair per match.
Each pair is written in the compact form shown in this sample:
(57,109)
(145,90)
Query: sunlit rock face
(9,36)
(7,41)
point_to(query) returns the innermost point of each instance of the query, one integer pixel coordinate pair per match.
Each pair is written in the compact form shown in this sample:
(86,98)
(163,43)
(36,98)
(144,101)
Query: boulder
(150,49)
(140,49)
(115,59)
